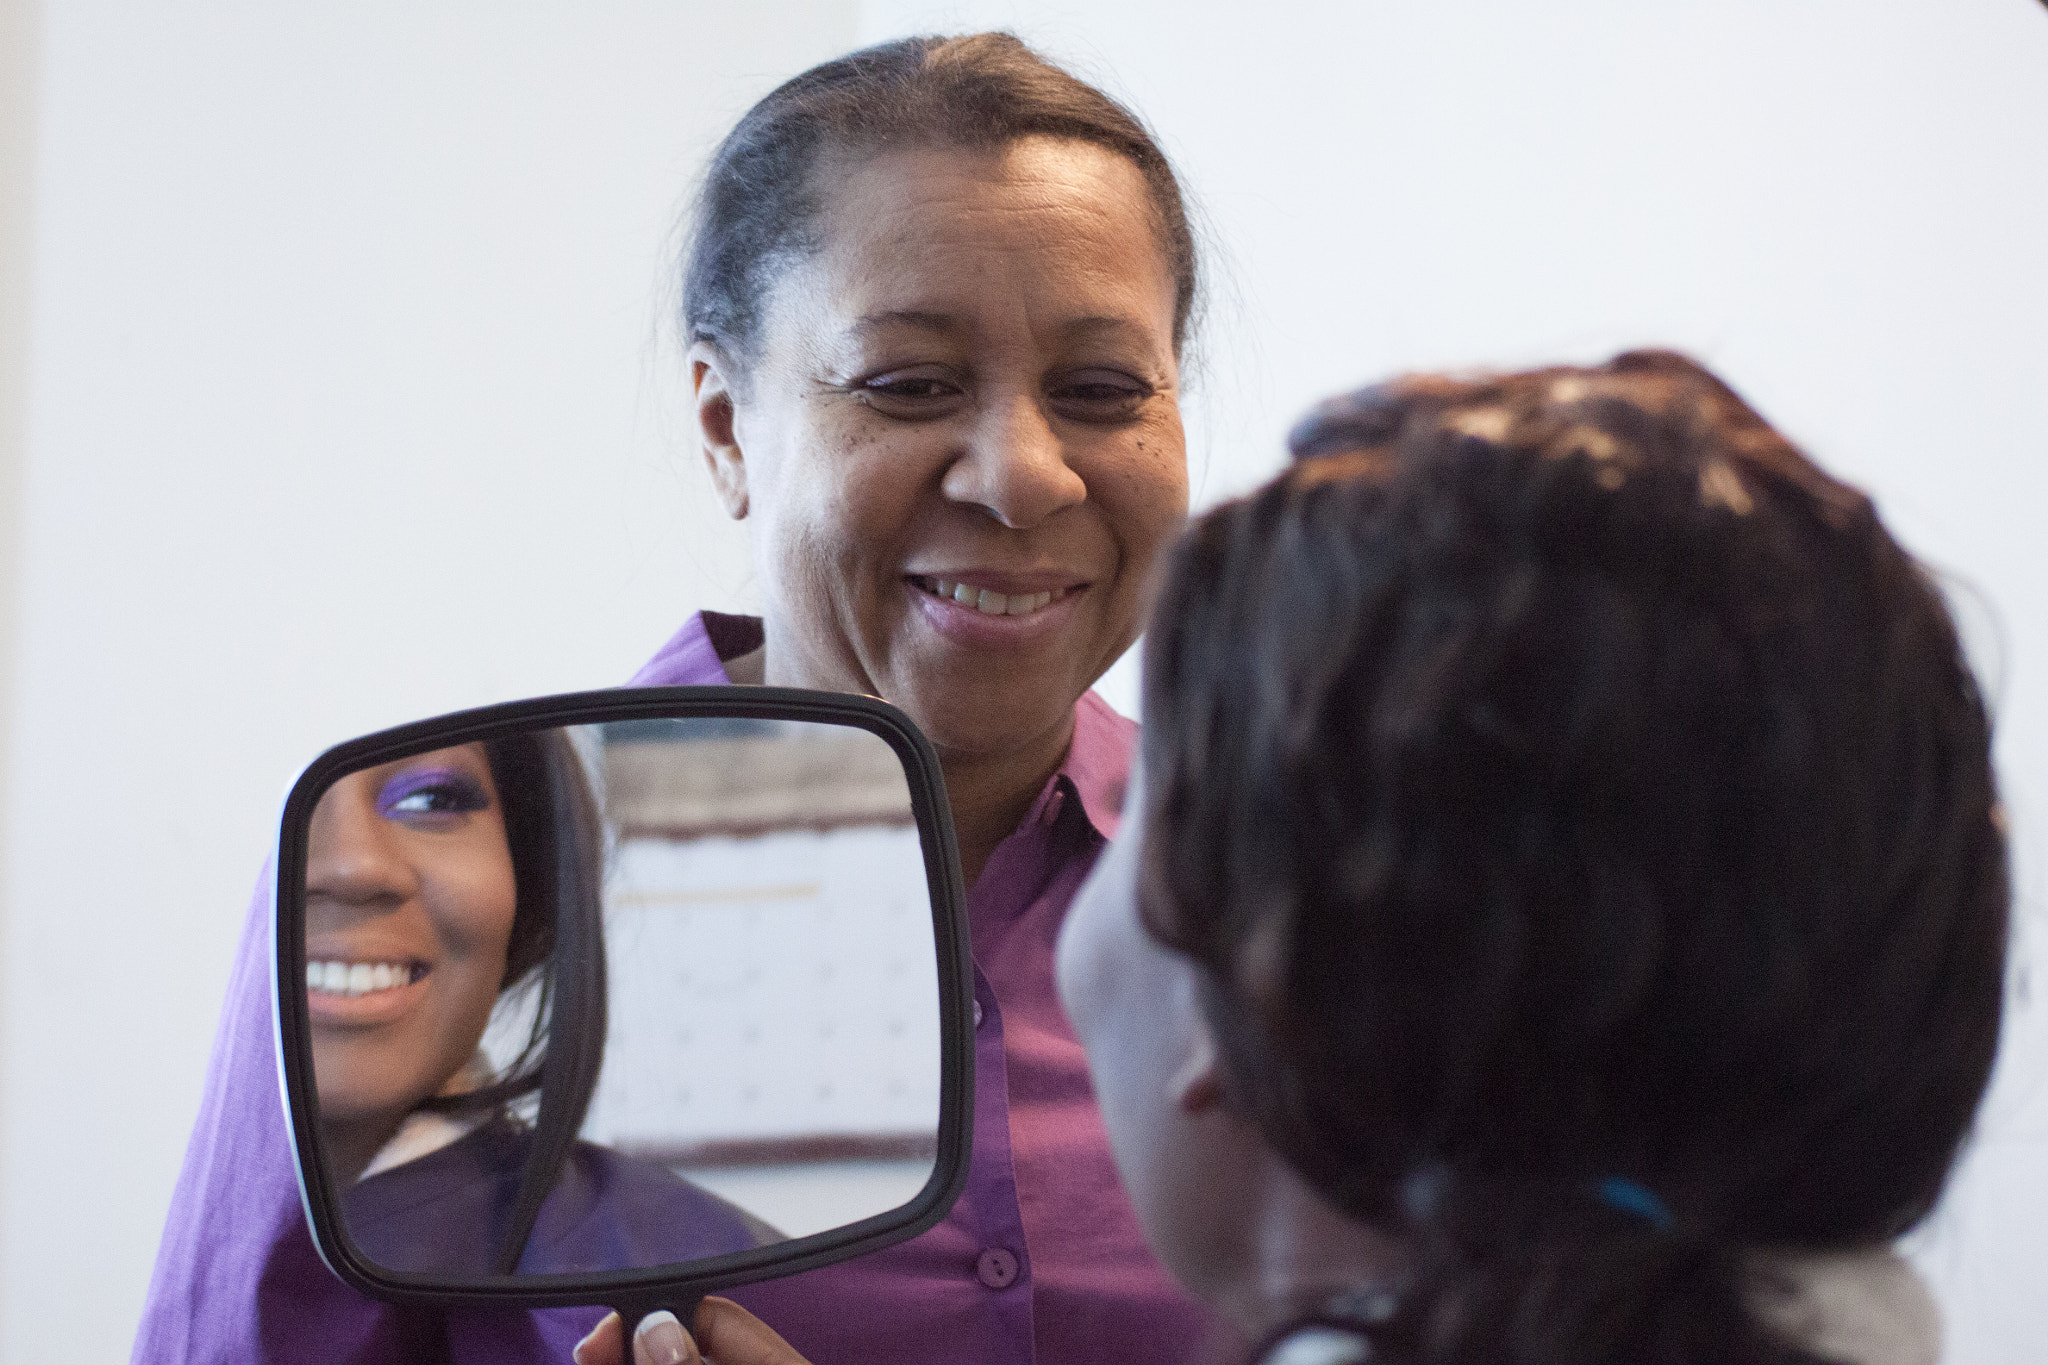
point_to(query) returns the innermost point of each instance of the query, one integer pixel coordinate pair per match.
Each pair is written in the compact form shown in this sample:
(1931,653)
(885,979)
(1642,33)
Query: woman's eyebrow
(1081,329)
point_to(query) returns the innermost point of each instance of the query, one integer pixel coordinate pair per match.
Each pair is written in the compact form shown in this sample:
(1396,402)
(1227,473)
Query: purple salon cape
(1040,1263)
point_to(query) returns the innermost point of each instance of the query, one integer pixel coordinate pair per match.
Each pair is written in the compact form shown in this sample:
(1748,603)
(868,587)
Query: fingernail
(661,1336)
(577,1354)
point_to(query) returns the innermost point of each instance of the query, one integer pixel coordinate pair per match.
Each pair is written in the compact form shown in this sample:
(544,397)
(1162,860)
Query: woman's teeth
(356,978)
(990,603)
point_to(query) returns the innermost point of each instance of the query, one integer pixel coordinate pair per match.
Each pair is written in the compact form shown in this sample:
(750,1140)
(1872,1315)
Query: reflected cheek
(472,909)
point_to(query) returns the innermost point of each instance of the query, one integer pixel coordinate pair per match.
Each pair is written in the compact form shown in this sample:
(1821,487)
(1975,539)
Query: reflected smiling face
(409,906)
(961,445)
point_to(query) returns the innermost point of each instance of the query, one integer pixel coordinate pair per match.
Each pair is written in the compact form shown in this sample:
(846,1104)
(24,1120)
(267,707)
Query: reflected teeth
(990,603)
(356,978)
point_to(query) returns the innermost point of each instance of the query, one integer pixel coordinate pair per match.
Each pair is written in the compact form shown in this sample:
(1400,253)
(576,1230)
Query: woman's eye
(912,393)
(430,799)
(412,795)
(1100,395)
(912,386)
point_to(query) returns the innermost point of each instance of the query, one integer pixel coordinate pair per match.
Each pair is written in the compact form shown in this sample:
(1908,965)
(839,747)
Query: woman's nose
(351,857)
(1015,465)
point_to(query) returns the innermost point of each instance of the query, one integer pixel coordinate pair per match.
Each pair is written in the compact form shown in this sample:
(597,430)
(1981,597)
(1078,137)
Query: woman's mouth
(986,600)
(352,980)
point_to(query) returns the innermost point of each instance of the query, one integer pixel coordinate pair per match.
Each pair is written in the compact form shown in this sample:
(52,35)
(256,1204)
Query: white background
(342,401)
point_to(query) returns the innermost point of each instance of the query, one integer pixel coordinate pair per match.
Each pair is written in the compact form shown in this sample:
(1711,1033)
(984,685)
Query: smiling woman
(410,906)
(959,442)
(446,892)
(934,302)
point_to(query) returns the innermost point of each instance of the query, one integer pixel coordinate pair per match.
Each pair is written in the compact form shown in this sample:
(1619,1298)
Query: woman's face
(961,444)
(1196,1176)
(409,902)
(1237,1225)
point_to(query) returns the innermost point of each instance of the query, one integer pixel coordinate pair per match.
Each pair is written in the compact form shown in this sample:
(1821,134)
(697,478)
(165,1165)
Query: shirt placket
(1008,884)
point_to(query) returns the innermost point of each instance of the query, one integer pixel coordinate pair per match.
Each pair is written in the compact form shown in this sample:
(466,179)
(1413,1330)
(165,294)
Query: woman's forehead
(938,238)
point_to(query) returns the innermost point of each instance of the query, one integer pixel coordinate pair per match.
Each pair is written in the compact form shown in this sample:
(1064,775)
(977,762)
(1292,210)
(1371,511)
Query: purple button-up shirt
(1041,1260)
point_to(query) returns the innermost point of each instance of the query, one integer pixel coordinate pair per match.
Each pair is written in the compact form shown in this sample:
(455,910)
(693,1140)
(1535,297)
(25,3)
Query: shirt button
(996,1268)
(977,1014)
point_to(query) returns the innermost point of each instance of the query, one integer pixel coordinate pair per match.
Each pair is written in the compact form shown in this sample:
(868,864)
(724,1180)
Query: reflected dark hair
(556,951)
(1559,779)
(757,212)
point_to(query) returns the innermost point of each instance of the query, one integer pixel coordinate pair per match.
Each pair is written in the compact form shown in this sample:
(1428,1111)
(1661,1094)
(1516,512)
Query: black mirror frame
(631,1292)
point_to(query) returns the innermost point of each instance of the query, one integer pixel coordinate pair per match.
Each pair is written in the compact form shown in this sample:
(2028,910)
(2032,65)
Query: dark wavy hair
(556,952)
(757,212)
(1559,779)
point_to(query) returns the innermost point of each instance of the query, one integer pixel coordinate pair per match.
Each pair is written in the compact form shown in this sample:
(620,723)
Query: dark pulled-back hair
(758,210)
(1561,780)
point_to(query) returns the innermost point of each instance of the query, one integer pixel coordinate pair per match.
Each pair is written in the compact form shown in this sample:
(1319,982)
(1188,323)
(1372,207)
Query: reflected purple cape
(444,1213)
(237,1278)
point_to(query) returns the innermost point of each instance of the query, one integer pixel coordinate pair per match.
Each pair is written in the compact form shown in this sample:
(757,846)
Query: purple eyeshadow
(459,790)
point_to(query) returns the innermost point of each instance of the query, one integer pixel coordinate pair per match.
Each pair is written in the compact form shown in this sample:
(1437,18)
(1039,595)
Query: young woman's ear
(717,426)
(1197,1083)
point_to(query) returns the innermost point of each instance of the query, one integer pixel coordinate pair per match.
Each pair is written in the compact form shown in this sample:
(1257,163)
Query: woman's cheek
(477,907)
(1144,491)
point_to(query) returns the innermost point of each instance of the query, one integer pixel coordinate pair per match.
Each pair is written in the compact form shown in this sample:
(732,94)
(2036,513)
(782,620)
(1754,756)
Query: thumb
(661,1340)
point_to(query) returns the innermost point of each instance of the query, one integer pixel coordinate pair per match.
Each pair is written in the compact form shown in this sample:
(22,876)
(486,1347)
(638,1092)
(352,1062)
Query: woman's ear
(717,424)
(1197,1083)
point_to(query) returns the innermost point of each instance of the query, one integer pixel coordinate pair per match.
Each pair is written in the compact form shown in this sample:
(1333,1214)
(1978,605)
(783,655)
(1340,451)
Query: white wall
(343,408)
(1836,203)
(18,35)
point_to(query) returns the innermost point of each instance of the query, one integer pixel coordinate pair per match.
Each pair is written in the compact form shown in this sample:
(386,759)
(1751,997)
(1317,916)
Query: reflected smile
(354,979)
(987,601)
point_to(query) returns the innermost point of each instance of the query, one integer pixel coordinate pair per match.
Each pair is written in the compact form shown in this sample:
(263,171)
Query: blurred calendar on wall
(784,947)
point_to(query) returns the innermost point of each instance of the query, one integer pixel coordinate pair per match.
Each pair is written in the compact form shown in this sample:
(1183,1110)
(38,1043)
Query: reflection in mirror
(613,997)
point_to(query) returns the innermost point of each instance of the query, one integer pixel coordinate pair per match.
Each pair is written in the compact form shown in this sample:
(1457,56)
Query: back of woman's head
(1566,785)
(766,188)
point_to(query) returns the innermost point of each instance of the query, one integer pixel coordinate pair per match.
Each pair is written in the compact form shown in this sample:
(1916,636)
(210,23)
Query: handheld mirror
(622,997)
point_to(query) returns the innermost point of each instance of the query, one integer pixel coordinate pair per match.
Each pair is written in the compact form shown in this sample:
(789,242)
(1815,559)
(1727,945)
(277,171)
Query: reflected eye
(429,792)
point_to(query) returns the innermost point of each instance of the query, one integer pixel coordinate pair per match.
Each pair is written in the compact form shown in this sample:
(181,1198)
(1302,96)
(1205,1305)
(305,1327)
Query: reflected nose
(1015,466)
(350,854)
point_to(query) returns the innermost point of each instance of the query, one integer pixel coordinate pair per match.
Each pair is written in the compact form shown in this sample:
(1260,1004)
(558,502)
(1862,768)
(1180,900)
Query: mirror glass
(609,997)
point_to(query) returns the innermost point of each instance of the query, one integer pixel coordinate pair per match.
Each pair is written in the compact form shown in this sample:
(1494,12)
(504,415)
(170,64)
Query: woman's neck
(989,793)
(1301,1254)
(749,669)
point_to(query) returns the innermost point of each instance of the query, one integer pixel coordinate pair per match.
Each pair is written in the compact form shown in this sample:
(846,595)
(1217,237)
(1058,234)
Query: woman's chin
(1009,717)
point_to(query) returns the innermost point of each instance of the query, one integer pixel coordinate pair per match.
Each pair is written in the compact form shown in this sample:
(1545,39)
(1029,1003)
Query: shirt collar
(688,659)
(1097,764)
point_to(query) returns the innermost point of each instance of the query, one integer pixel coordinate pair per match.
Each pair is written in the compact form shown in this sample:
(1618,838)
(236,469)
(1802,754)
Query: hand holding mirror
(622,997)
